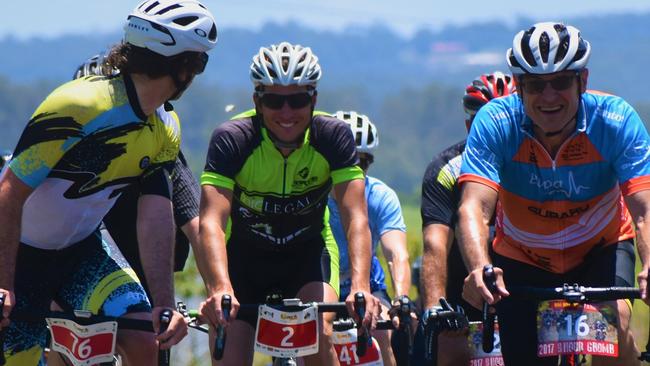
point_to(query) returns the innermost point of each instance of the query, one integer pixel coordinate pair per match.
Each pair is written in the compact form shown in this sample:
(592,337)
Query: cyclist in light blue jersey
(386,227)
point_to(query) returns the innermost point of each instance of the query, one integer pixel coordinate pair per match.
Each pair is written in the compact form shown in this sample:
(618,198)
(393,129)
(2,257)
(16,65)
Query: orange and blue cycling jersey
(553,210)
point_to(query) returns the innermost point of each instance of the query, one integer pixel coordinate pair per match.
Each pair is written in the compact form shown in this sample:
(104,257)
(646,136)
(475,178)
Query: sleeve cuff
(214,179)
(347,174)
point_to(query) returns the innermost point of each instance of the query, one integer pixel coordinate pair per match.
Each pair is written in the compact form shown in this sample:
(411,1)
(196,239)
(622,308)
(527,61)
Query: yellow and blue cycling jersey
(84,143)
(554,210)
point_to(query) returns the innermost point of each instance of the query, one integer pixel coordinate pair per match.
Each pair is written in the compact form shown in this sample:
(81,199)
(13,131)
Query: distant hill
(372,56)
(411,88)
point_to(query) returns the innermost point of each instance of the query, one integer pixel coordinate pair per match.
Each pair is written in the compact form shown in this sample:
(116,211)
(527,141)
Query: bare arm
(13,194)
(476,208)
(155,227)
(639,206)
(477,205)
(433,279)
(354,217)
(351,201)
(191,231)
(210,250)
(393,245)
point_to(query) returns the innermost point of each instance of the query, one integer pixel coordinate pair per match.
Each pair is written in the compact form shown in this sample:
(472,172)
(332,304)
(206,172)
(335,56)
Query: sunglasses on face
(276,101)
(537,86)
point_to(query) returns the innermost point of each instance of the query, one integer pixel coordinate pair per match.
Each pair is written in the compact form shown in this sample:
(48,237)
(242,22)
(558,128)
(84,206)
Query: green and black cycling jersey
(279,202)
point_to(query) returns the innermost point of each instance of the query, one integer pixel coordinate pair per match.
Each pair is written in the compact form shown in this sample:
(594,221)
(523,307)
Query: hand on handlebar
(401,308)
(476,290)
(211,312)
(176,327)
(373,309)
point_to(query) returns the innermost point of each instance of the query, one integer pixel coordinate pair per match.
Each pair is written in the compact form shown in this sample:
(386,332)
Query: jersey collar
(133,97)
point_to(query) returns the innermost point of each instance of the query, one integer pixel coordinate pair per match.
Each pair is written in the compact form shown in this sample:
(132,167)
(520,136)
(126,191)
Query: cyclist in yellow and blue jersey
(87,141)
(264,193)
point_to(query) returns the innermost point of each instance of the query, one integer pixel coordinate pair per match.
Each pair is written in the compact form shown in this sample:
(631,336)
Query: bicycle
(286,356)
(558,310)
(84,338)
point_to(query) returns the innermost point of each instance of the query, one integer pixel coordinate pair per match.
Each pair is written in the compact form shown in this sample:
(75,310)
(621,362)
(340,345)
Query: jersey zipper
(554,166)
(284,178)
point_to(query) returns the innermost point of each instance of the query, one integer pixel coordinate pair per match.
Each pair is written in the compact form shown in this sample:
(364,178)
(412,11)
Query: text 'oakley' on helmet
(285,64)
(485,88)
(365,133)
(95,65)
(171,27)
(547,48)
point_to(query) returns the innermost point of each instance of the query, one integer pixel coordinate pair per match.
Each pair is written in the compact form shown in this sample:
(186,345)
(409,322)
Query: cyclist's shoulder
(378,187)
(81,99)
(605,106)
(448,158)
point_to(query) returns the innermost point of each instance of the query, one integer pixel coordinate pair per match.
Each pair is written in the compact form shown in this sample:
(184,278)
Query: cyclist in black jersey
(121,220)
(442,269)
(264,192)
(88,140)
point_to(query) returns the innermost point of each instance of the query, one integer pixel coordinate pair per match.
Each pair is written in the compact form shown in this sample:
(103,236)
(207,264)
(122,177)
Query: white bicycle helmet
(364,131)
(285,64)
(95,66)
(171,27)
(547,48)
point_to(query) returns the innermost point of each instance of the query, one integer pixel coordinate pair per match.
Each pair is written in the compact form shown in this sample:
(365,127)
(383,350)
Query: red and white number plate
(83,344)
(287,334)
(345,344)
(564,328)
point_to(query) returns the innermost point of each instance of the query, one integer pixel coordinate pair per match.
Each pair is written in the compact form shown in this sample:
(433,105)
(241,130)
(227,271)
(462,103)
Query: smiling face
(287,123)
(552,100)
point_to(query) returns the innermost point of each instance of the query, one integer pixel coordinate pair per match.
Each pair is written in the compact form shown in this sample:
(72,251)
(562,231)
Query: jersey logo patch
(145,162)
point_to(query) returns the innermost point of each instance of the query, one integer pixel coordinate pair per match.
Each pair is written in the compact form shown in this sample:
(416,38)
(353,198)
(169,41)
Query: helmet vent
(213,33)
(185,20)
(171,7)
(359,122)
(526,51)
(148,9)
(544,46)
(371,137)
(357,138)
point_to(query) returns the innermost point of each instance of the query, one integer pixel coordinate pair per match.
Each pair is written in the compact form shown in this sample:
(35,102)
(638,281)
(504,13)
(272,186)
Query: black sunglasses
(276,101)
(537,86)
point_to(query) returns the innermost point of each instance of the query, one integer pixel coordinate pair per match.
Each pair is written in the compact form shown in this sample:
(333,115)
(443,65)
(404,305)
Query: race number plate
(287,334)
(475,340)
(83,344)
(345,344)
(564,328)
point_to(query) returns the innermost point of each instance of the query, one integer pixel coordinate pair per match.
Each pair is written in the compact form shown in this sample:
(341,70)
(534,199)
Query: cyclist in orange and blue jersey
(87,141)
(571,172)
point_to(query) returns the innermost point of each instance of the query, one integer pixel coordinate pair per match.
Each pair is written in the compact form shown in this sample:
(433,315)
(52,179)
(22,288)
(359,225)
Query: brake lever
(165,319)
(490,279)
(220,339)
(362,339)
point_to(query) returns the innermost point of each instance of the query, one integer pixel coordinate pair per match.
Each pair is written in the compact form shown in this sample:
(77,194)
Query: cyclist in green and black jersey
(264,193)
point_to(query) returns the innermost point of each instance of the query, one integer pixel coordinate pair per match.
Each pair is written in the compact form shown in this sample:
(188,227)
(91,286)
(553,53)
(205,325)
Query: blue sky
(51,18)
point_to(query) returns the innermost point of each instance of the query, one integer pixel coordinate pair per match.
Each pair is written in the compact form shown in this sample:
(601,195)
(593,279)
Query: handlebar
(570,293)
